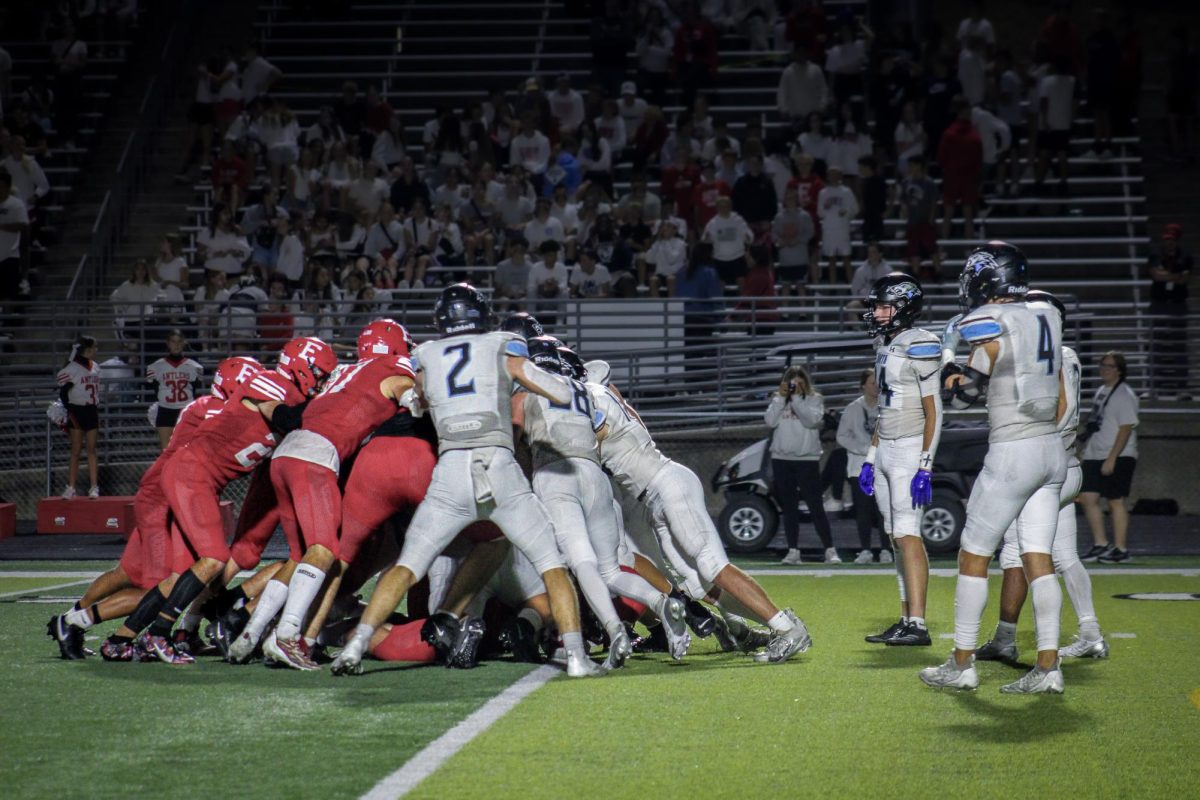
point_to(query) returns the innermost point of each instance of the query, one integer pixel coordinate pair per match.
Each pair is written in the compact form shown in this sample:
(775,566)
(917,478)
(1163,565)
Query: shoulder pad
(516,346)
(923,345)
(981,328)
(267,386)
(404,366)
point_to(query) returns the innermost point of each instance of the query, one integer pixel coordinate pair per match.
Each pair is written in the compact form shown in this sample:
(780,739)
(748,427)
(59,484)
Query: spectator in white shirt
(530,149)
(547,280)
(290,261)
(367,192)
(611,126)
(972,70)
(171,269)
(667,256)
(221,246)
(720,141)
(865,275)
(418,230)
(388,149)
(814,141)
(28,180)
(385,244)
(977,26)
(590,278)
(566,104)
(846,61)
(1056,111)
(792,230)
(511,280)
(208,298)
(909,137)
(802,89)
(14,228)
(729,235)
(631,108)
(654,48)
(836,207)
(997,139)
(133,301)
(259,76)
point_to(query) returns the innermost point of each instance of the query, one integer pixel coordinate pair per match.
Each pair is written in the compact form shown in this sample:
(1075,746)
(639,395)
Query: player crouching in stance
(898,468)
(1016,353)
(466,378)
(1090,642)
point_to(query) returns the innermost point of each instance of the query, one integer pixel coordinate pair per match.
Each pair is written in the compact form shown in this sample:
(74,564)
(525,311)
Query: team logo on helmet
(981,260)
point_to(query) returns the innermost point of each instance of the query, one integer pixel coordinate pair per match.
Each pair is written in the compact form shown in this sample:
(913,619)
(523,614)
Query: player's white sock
(780,623)
(532,617)
(635,587)
(595,591)
(1079,589)
(918,621)
(306,582)
(1047,610)
(573,643)
(970,598)
(79,617)
(730,603)
(1006,632)
(273,597)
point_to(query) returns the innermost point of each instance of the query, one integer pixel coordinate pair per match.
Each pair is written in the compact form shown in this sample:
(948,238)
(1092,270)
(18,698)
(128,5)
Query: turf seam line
(35,589)
(441,749)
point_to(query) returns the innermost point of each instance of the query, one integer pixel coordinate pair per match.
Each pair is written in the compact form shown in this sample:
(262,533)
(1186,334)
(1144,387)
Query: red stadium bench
(8,520)
(86,515)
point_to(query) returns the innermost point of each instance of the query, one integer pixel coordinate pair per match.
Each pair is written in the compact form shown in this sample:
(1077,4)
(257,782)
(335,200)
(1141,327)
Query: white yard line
(30,573)
(43,588)
(947,572)
(441,749)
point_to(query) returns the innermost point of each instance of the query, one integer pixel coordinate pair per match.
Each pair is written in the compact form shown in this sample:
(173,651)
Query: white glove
(412,401)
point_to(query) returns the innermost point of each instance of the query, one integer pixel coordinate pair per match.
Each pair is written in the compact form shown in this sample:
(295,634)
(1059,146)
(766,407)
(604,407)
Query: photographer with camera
(1109,456)
(795,415)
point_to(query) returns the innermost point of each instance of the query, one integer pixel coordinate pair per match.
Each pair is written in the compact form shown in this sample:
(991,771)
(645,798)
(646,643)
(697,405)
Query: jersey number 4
(1045,348)
(885,391)
(453,387)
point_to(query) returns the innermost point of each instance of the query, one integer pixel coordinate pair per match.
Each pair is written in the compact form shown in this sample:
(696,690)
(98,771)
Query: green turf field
(846,719)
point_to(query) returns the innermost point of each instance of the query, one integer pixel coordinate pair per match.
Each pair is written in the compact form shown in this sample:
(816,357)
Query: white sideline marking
(30,573)
(33,589)
(1122,635)
(945,635)
(949,572)
(437,752)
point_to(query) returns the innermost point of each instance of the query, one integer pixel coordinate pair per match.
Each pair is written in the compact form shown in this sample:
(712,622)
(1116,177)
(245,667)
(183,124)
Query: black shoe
(880,638)
(699,618)
(1096,551)
(1115,556)
(655,642)
(519,638)
(190,643)
(69,638)
(910,636)
(441,632)
(228,628)
(466,645)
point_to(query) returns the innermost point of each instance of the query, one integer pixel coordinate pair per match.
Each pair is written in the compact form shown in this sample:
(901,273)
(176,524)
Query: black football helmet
(523,324)
(1042,296)
(462,308)
(572,364)
(543,351)
(903,294)
(996,269)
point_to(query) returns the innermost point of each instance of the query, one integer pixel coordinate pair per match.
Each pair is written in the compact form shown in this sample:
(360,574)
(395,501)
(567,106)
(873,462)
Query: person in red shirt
(679,181)
(147,558)
(694,60)
(808,186)
(225,447)
(806,29)
(304,470)
(760,315)
(960,153)
(379,111)
(704,197)
(230,178)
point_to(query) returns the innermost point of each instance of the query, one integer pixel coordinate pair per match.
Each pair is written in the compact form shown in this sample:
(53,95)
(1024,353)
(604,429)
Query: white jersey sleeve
(468,388)
(176,381)
(1071,373)
(1022,395)
(628,451)
(562,431)
(907,369)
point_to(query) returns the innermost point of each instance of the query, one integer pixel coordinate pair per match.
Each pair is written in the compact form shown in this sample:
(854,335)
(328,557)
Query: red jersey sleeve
(271,386)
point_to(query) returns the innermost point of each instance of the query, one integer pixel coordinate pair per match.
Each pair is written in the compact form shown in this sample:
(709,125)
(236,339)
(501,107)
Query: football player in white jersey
(898,468)
(567,478)
(176,377)
(466,379)
(1089,643)
(675,499)
(1016,354)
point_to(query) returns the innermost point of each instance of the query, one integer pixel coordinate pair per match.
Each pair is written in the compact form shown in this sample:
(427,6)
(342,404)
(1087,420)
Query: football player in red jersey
(226,446)
(304,470)
(146,560)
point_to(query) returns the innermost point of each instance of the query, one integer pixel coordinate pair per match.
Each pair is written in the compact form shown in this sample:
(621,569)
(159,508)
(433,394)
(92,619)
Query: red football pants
(390,473)
(310,505)
(194,495)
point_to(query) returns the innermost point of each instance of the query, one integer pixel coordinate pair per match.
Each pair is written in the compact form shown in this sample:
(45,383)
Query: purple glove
(866,479)
(922,488)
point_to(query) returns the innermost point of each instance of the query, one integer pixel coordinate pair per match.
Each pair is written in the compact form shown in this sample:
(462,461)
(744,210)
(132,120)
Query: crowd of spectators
(634,187)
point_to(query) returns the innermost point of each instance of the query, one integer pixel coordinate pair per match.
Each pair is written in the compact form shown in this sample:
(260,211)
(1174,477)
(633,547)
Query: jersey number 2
(1045,348)
(453,387)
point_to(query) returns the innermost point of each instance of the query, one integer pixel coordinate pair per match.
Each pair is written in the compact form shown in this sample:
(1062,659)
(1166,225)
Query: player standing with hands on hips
(898,468)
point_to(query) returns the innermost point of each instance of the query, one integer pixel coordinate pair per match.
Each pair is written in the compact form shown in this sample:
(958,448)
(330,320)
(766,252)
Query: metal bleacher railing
(683,367)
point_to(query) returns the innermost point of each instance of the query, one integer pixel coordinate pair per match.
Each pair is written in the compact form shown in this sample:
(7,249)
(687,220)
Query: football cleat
(619,649)
(291,652)
(699,618)
(724,636)
(880,638)
(785,645)
(1083,648)
(118,651)
(674,627)
(580,666)
(465,654)
(1037,681)
(997,651)
(241,650)
(161,648)
(910,635)
(653,642)
(951,676)
(440,632)
(519,638)
(69,638)
(349,661)
(189,642)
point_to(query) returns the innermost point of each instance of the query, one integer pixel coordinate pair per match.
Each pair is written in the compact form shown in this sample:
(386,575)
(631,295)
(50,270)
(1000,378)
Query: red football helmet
(233,372)
(307,361)
(384,337)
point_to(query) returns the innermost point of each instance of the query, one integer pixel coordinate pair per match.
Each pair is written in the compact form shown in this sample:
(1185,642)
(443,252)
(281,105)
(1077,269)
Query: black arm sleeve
(286,419)
(63,391)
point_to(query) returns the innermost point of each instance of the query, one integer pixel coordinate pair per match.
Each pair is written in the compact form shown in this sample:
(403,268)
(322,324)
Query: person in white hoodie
(795,416)
(855,430)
